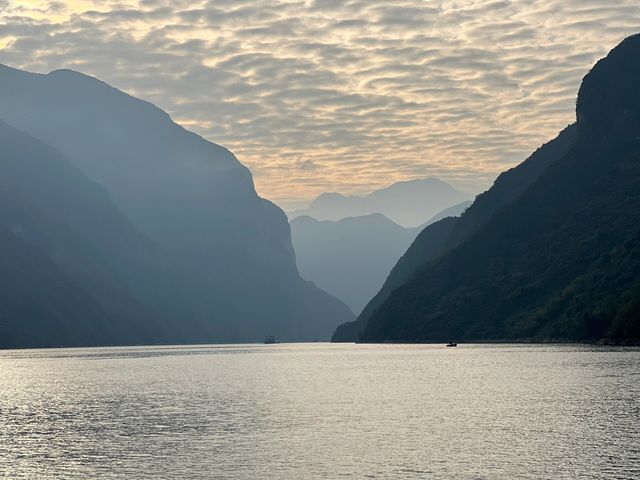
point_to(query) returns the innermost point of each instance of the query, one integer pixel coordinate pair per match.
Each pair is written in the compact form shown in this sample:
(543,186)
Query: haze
(344,96)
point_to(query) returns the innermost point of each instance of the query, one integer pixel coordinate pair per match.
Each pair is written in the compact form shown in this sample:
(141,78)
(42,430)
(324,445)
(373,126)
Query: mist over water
(321,411)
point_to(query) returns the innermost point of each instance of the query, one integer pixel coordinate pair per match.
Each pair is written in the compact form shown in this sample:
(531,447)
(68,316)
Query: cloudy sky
(338,95)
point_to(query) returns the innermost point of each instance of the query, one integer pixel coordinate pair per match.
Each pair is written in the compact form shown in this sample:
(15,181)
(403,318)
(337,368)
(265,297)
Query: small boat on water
(269,339)
(451,344)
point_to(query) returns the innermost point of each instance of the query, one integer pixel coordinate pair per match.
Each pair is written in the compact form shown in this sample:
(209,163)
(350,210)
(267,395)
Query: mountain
(193,239)
(350,258)
(438,237)
(550,252)
(407,203)
(429,240)
(78,245)
(454,211)
(59,307)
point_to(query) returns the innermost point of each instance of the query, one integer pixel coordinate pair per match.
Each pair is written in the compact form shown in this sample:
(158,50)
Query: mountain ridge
(228,249)
(570,270)
(351,257)
(408,203)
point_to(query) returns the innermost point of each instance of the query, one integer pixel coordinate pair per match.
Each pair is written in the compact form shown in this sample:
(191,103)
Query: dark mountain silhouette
(551,252)
(408,203)
(350,258)
(454,211)
(189,217)
(441,236)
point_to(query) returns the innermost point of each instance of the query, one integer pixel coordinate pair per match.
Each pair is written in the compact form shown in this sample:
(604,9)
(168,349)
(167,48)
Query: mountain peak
(69,72)
(549,252)
(420,181)
(609,98)
(191,198)
(329,197)
(408,203)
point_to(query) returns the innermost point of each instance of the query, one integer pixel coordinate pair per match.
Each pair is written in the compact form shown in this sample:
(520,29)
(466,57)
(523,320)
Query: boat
(269,339)
(451,344)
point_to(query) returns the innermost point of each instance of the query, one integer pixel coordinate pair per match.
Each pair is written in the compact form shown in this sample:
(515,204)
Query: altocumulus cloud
(343,95)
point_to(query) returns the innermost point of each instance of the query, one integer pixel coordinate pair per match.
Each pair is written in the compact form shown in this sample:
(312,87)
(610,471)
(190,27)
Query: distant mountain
(432,239)
(350,258)
(184,231)
(550,252)
(408,203)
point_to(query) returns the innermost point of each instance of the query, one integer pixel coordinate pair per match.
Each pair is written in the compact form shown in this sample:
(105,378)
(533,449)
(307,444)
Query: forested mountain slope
(553,256)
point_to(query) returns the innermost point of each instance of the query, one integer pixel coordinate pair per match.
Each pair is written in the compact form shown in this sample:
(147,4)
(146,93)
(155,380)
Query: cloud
(345,95)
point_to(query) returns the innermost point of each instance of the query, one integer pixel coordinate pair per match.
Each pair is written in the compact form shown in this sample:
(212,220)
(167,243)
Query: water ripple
(321,411)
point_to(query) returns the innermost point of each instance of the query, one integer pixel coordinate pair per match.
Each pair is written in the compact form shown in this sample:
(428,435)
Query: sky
(338,95)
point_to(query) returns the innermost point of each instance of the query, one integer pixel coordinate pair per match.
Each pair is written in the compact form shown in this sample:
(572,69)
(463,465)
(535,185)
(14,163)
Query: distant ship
(451,344)
(269,339)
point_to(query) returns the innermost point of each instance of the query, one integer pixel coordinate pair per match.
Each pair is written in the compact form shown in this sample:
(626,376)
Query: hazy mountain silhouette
(350,258)
(192,214)
(431,239)
(551,251)
(38,301)
(51,211)
(408,203)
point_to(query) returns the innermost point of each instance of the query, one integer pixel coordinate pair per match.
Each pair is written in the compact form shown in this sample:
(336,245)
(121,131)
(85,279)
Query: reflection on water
(321,411)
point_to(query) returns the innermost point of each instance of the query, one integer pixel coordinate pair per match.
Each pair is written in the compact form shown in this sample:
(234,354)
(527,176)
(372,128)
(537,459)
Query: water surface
(321,411)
